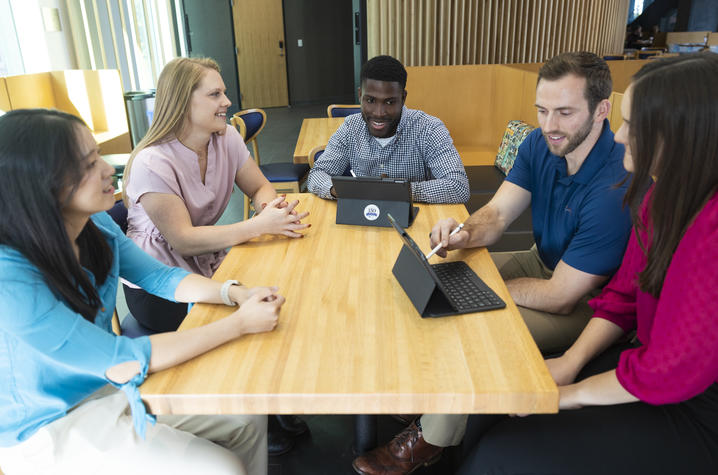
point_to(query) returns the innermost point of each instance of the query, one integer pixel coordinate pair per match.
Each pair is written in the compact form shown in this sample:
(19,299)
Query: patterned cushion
(516,132)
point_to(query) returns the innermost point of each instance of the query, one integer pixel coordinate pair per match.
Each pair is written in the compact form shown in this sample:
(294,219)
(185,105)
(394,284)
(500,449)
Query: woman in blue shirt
(69,395)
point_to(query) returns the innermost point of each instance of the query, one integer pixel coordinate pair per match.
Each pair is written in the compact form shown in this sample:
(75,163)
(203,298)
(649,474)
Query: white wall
(26,45)
(10,57)
(59,44)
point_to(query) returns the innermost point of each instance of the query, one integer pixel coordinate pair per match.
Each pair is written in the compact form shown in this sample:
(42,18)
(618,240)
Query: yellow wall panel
(30,90)
(4,97)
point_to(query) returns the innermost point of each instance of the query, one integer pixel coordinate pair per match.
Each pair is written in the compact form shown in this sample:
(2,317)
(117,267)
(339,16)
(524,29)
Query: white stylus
(438,246)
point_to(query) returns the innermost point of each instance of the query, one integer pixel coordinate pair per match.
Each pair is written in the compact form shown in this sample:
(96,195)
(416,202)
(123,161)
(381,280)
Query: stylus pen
(438,246)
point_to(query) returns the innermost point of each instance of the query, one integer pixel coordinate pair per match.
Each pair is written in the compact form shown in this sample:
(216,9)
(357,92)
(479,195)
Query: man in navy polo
(567,171)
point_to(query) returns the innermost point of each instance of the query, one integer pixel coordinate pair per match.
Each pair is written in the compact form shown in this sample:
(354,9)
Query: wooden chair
(343,110)
(116,328)
(314,154)
(285,177)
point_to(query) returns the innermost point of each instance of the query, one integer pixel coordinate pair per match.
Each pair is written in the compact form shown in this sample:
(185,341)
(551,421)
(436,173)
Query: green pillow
(516,132)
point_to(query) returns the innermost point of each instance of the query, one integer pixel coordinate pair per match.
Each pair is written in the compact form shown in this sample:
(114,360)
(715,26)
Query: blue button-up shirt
(51,358)
(421,152)
(577,218)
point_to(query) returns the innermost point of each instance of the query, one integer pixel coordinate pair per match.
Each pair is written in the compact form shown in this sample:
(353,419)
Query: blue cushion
(345,111)
(284,171)
(253,121)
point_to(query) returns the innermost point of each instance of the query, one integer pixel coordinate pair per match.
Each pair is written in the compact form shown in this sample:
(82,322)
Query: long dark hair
(41,165)
(673,136)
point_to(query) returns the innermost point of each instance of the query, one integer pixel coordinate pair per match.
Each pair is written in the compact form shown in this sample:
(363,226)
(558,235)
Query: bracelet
(224,292)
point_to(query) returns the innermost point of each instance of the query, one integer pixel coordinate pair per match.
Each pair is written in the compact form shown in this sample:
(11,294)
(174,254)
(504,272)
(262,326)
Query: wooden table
(314,132)
(349,340)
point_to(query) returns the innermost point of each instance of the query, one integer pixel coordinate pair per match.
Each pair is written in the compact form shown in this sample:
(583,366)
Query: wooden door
(261,58)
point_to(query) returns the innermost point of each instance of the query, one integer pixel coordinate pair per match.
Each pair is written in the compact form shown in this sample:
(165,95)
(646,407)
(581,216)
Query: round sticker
(371,212)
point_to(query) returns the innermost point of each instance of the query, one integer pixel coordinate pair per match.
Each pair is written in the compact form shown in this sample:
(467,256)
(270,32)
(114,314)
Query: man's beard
(572,141)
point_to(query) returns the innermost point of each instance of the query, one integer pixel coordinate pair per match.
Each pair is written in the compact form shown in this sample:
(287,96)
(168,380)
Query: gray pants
(552,333)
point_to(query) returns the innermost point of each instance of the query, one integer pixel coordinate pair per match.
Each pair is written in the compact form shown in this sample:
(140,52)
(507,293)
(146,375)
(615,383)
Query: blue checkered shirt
(422,152)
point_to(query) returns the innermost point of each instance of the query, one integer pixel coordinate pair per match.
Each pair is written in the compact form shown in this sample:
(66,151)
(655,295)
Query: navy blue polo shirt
(579,219)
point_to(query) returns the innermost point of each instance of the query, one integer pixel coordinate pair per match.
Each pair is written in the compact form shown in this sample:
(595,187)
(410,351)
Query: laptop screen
(416,252)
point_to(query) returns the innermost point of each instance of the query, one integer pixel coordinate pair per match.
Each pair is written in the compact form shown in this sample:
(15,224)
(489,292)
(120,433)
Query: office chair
(315,154)
(343,110)
(284,177)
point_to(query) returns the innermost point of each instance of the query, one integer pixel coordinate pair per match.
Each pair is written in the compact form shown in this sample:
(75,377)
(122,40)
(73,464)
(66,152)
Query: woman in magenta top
(179,180)
(650,405)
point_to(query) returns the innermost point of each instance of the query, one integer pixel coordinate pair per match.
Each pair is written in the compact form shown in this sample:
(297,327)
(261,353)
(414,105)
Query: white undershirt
(384,141)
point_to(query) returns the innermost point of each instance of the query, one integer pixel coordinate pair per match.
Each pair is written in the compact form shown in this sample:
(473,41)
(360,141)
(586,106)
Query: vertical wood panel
(443,32)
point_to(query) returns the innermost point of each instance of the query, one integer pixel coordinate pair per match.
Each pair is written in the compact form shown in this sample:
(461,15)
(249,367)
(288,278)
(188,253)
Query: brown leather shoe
(404,454)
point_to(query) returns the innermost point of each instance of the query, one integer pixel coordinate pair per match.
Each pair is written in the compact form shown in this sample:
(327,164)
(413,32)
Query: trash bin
(140,106)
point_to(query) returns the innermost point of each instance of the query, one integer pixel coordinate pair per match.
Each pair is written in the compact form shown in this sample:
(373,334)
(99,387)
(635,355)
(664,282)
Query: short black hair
(584,65)
(384,68)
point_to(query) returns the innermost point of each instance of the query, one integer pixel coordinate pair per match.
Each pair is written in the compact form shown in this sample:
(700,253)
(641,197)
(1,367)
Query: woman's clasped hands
(280,217)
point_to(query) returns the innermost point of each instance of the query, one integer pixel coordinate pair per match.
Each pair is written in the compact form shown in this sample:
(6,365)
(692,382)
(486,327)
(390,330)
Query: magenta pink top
(173,168)
(679,331)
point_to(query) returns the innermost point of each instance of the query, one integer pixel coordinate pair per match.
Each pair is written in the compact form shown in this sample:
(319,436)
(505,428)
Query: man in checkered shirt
(389,140)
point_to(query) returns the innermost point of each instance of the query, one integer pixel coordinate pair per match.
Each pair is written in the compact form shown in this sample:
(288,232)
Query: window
(138,37)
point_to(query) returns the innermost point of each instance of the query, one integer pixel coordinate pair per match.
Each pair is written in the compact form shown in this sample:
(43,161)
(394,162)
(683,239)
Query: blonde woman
(179,180)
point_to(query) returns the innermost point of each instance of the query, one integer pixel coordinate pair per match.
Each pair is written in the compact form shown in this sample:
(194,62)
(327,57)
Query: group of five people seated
(643,404)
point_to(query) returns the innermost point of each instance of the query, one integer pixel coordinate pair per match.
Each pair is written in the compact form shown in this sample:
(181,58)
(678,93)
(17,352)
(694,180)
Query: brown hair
(178,79)
(674,115)
(584,65)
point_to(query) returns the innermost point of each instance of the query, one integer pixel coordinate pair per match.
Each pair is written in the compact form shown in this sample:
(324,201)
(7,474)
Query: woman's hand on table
(260,312)
(280,217)
(240,294)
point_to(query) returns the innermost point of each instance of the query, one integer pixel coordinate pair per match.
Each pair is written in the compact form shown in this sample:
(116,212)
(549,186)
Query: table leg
(364,433)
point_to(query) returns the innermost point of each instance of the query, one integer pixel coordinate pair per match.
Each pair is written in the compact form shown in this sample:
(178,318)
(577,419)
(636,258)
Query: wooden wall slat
(443,32)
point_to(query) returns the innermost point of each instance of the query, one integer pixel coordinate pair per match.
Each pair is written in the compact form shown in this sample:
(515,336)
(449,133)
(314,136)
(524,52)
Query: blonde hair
(178,80)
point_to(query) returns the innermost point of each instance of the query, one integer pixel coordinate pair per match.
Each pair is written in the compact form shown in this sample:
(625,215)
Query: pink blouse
(173,168)
(679,330)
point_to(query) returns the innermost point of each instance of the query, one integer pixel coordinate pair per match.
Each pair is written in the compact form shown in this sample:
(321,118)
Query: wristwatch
(224,292)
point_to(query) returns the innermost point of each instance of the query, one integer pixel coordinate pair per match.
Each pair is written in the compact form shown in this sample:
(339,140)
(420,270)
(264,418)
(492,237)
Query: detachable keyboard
(464,289)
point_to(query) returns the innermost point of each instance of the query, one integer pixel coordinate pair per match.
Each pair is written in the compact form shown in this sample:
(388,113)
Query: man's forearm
(537,294)
(440,190)
(485,227)
(319,182)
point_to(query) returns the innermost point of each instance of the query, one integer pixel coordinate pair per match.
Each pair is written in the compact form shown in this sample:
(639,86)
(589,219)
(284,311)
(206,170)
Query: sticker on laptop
(371,212)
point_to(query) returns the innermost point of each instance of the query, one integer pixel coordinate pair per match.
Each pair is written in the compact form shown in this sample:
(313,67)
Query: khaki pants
(552,333)
(97,436)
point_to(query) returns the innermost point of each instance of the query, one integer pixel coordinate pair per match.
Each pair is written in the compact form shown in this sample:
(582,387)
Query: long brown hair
(674,136)
(178,80)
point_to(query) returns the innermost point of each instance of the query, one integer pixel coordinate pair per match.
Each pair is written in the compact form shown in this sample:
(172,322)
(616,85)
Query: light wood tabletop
(349,340)
(314,132)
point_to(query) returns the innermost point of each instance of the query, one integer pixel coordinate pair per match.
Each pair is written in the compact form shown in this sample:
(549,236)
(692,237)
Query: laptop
(439,290)
(366,201)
